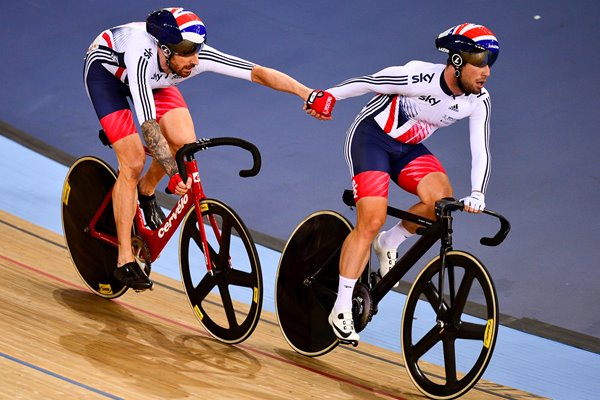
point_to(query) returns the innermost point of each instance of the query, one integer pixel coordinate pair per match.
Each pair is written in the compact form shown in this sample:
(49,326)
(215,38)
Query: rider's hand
(475,203)
(176,185)
(319,104)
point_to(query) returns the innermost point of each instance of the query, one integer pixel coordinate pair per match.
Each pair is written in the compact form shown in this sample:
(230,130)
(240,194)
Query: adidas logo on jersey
(453,107)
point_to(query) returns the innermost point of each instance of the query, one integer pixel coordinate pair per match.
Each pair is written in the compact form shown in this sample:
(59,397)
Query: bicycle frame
(430,236)
(186,163)
(158,239)
(431,232)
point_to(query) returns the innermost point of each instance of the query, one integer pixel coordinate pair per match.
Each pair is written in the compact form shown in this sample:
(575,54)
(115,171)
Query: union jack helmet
(178,29)
(474,43)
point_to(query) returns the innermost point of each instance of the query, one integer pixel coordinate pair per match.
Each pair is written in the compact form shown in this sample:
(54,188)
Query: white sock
(394,237)
(343,302)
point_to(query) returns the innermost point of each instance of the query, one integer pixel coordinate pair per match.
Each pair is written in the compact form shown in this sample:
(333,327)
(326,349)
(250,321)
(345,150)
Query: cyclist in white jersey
(144,62)
(385,142)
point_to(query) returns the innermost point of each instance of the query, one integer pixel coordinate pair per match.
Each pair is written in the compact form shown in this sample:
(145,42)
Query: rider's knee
(369,227)
(371,215)
(132,170)
(433,188)
(436,195)
(178,128)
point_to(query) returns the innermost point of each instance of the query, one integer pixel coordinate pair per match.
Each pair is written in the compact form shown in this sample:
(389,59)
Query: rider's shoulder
(140,35)
(483,95)
(422,66)
(420,71)
(208,50)
(134,35)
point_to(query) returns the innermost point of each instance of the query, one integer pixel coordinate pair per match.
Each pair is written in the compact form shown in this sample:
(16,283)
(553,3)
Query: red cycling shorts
(109,97)
(119,124)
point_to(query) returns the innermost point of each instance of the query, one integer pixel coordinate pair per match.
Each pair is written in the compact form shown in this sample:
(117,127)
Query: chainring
(141,252)
(362,306)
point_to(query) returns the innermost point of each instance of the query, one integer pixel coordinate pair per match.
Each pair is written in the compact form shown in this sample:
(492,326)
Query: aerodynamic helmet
(469,43)
(177,29)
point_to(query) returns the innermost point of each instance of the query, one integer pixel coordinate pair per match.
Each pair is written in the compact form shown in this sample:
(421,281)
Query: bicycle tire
(229,322)
(303,303)
(86,185)
(464,342)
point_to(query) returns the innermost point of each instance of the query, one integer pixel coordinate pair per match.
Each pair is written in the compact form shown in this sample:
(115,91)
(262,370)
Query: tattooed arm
(158,146)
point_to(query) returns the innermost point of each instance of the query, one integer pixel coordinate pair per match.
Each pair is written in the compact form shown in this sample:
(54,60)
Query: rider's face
(473,78)
(183,65)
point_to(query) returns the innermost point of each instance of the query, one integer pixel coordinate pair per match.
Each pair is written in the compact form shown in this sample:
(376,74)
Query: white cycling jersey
(413,101)
(130,54)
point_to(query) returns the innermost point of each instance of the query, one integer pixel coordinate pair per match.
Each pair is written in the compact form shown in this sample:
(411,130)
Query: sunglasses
(480,58)
(186,48)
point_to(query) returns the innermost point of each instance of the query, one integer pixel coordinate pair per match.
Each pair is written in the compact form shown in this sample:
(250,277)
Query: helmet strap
(458,75)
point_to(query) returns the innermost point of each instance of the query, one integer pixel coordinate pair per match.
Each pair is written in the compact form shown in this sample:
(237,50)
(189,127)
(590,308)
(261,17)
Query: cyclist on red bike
(144,62)
(385,142)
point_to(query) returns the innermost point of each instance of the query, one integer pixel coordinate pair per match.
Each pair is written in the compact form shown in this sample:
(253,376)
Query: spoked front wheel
(307,282)
(460,343)
(227,303)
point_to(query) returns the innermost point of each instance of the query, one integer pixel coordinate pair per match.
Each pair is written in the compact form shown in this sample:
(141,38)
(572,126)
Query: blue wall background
(546,172)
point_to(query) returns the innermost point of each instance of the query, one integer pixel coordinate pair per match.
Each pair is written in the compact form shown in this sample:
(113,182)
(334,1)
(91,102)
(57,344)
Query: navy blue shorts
(374,157)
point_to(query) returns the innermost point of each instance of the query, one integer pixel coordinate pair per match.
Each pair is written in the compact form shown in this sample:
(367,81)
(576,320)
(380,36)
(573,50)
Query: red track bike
(216,251)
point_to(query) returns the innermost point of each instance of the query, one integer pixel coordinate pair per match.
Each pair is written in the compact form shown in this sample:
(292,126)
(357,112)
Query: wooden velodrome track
(60,341)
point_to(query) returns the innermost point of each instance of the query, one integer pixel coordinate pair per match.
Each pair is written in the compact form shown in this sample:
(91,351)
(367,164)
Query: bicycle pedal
(143,290)
(354,343)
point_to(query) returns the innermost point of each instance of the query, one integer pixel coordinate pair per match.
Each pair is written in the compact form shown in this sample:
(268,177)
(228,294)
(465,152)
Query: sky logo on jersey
(429,99)
(422,78)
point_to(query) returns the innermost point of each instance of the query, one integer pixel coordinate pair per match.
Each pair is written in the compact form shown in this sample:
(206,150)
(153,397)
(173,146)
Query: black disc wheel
(86,187)
(227,302)
(307,281)
(461,343)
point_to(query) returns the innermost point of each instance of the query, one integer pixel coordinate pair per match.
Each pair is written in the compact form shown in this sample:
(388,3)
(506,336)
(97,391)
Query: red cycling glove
(321,101)
(173,182)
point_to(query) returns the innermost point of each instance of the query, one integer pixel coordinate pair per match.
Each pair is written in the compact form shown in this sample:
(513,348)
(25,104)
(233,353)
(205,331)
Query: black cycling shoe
(132,276)
(153,214)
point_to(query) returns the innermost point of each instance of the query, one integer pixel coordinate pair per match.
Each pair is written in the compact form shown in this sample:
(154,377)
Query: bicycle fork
(445,247)
(198,195)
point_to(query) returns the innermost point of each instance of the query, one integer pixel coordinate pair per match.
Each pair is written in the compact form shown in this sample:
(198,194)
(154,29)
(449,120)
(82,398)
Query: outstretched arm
(277,80)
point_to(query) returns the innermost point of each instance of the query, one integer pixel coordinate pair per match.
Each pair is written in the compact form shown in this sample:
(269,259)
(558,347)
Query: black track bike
(436,328)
